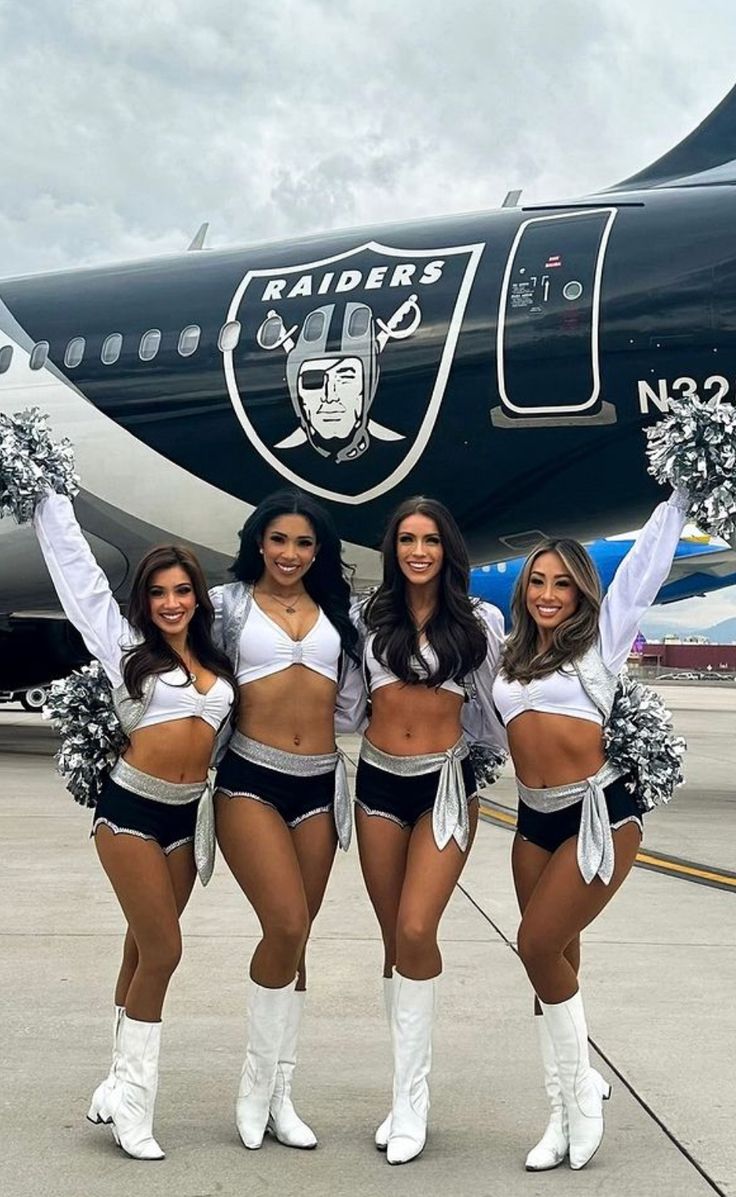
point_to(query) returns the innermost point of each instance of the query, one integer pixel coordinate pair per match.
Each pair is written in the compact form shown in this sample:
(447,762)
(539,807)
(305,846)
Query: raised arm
(81,585)
(639,577)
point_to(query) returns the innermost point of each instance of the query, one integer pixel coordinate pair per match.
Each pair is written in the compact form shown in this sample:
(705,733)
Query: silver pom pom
(31,462)
(81,707)
(639,738)
(487,764)
(694,449)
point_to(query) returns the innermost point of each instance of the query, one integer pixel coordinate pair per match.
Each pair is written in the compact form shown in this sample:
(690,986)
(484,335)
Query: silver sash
(450,810)
(595,838)
(145,785)
(176,793)
(300,765)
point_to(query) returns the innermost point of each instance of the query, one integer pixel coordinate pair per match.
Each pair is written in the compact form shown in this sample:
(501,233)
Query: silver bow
(204,835)
(595,839)
(343,808)
(450,811)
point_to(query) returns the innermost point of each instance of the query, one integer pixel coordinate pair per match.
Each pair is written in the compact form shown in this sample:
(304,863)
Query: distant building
(699,657)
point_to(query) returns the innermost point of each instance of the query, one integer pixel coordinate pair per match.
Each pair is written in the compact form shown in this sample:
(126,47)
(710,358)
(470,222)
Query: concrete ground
(659,980)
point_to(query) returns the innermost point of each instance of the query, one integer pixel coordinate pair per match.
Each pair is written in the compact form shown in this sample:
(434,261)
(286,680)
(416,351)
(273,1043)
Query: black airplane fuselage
(543,339)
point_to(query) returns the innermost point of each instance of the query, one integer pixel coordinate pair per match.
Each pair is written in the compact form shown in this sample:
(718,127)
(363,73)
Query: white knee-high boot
(551,1149)
(412,1016)
(133,1096)
(384,1130)
(98,1110)
(283,1121)
(269,1014)
(579,1083)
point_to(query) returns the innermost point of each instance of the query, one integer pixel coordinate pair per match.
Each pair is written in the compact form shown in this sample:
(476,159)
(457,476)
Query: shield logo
(342,363)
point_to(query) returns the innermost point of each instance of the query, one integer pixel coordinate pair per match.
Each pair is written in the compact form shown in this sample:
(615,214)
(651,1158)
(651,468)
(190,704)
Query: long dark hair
(454,631)
(521,660)
(155,654)
(327,580)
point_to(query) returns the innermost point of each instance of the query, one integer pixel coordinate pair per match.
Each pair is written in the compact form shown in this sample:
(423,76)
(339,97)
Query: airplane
(702,564)
(505,362)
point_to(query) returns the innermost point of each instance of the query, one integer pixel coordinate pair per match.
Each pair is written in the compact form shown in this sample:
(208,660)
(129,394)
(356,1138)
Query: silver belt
(595,839)
(176,793)
(450,810)
(297,764)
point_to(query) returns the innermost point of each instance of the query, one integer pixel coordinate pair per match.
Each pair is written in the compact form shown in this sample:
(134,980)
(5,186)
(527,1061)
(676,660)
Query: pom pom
(31,463)
(640,740)
(81,707)
(694,449)
(487,764)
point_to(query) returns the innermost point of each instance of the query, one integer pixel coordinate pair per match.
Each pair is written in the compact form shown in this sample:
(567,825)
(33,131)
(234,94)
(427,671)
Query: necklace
(189,671)
(289,605)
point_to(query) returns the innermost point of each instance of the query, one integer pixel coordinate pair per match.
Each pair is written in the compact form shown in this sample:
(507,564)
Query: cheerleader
(173,691)
(282,803)
(579,823)
(430,654)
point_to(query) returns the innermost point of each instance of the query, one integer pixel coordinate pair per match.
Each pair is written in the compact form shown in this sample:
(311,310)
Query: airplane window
(314,326)
(39,354)
(150,344)
(229,336)
(189,340)
(359,322)
(111,348)
(74,352)
(6,357)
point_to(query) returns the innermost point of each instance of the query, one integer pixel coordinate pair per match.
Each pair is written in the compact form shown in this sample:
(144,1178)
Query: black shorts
(403,800)
(548,831)
(170,825)
(295,798)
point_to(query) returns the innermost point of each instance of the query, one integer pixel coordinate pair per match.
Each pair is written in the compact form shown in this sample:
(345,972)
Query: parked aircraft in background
(505,362)
(701,566)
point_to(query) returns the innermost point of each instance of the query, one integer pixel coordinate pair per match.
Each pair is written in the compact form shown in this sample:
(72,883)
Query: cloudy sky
(126,124)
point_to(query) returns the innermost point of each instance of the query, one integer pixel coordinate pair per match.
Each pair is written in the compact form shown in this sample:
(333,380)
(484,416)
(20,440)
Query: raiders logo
(341,367)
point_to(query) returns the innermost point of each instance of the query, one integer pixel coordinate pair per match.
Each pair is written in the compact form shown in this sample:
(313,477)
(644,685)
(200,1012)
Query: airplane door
(547,340)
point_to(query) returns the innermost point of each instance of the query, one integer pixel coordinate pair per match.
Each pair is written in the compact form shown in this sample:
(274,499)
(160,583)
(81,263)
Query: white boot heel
(580,1084)
(99,1111)
(269,1013)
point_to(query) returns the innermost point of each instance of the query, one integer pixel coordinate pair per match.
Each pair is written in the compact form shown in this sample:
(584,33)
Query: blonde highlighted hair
(522,660)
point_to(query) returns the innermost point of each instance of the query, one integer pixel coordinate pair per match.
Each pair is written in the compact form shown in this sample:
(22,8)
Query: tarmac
(659,979)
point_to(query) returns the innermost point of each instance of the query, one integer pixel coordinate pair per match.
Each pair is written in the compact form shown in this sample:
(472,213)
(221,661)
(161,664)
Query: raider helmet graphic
(332,389)
(340,366)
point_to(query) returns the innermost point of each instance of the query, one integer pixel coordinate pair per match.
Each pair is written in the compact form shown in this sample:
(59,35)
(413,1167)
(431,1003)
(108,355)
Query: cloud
(133,122)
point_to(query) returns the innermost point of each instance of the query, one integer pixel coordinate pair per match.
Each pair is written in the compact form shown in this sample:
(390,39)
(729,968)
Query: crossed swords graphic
(390,330)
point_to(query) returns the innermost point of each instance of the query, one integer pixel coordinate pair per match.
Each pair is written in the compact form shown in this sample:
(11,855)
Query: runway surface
(659,980)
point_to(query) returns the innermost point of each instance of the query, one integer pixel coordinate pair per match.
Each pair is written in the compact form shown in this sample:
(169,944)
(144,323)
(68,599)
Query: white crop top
(265,648)
(560,693)
(88,603)
(379,675)
(632,591)
(172,700)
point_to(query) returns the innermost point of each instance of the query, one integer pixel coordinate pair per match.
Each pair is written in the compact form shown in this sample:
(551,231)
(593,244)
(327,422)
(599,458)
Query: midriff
(293,710)
(179,750)
(412,720)
(553,750)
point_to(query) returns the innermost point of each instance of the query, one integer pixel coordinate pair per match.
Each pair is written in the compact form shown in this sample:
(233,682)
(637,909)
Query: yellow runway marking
(657,862)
